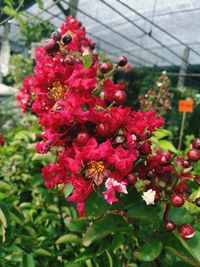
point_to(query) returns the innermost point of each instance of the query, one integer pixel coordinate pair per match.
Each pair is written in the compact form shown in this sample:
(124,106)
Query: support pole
(183,68)
(5,49)
(73,5)
(182,130)
(181,81)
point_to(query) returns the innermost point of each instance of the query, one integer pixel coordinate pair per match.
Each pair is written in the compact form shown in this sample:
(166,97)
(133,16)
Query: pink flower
(111,186)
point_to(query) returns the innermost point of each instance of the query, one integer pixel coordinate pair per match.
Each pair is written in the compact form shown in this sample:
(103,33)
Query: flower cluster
(26,95)
(100,145)
(167,179)
(157,98)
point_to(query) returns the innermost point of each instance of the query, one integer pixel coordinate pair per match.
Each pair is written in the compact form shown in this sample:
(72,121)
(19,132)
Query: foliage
(35,31)
(42,228)
(33,219)
(14,9)
(20,67)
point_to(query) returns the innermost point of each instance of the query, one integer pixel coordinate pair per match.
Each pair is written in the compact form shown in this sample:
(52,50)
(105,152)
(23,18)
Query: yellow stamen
(57,91)
(96,167)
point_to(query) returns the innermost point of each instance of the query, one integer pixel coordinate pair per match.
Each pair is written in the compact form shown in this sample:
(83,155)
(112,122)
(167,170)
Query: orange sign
(185,105)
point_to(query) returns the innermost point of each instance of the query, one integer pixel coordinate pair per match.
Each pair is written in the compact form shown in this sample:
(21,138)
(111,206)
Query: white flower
(149,196)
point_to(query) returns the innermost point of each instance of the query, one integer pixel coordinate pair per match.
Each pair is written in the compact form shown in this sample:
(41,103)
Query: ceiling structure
(150,32)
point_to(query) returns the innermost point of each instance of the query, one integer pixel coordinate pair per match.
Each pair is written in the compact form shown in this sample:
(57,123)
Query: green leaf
(68,238)
(95,205)
(167,146)
(9,3)
(179,215)
(28,261)
(31,231)
(149,252)
(11,12)
(17,215)
(47,158)
(42,252)
(40,3)
(25,205)
(87,60)
(111,223)
(4,186)
(192,245)
(88,254)
(68,188)
(109,259)
(143,213)
(3,221)
(180,255)
(161,133)
(77,225)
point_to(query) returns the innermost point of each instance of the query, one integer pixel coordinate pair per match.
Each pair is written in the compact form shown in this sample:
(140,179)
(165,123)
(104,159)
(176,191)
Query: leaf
(180,255)
(111,223)
(9,3)
(179,215)
(40,3)
(42,252)
(4,186)
(17,216)
(161,133)
(143,213)
(109,259)
(4,225)
(31,231)
(68,238)
(11,12)
(87,60)
(77,225)
(167,146)
(28,261)
(4,219)
(25,205)
(88,254)
(95,205)
(68,188)
(47,158)
(149,252)
(192,245)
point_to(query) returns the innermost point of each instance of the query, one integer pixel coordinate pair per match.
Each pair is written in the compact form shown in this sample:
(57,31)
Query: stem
(62,224)
(167,208)
(181,131)
(168,205)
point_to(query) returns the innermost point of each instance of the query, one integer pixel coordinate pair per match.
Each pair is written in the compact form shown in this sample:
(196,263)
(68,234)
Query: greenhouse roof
(149,32)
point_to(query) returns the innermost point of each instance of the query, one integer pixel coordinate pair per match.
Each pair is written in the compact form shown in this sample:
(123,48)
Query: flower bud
(122,61)
(186,231)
